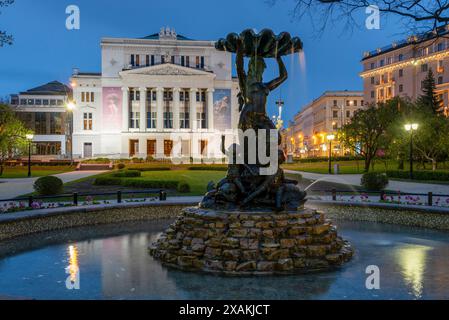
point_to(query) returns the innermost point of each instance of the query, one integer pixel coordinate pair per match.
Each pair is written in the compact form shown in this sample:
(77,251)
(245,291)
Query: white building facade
(150,90)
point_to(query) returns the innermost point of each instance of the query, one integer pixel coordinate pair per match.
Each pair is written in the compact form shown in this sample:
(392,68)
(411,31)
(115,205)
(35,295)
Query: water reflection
(73,281)
(413,261)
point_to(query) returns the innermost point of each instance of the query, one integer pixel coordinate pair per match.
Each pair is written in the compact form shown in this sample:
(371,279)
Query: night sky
(44,50)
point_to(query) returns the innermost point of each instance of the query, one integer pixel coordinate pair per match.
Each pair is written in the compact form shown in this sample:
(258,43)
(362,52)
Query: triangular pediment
(166,69)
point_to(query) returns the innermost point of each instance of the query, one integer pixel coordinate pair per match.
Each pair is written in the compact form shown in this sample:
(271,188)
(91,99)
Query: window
(168,120)
(355,103)
(335,103)
(348,103)
(23,102)
(203,96)
(372,80)
(197,96)
(348,114)
(38,102)
(401,88)
(361,102)
(401,57)
(151,148)
(45,102)
(87,121)
(134,120)
(132,62)
(40,125)
(137,60)
(56,123)
(373,65)
(52,102)
(151,120)
(183,61)
(30,102)
(152,60)
(202,62)
(134,95)
(59,102)
(187,61)
(372,94)
(201,120)
(440,80)
(335,114)
(147,60)
(440,46)
(424,67)
(173,59)
(382,63)
(197,62)
(389,60)
(184,119)
(401,73)
(162,59)
(87,97)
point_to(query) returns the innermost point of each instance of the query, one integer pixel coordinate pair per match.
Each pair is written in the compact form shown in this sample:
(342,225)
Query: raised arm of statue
(283,75)
(241,70)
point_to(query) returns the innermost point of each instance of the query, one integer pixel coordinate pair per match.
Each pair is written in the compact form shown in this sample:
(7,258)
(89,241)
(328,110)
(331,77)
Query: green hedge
(208,168)
(321,159)
(420,175)
(127,174)
(136,183)
(147,169)
(48,186)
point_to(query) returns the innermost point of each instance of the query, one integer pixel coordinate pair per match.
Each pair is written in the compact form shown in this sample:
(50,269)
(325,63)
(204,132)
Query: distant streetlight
(70,106)
(411,127)
(330,138)
(30,138)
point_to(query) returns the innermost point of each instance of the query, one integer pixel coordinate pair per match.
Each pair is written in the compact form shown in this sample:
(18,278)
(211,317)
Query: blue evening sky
(44,50)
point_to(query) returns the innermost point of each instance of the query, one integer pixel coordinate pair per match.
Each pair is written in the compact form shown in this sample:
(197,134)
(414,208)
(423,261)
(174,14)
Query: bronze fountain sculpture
(253,223)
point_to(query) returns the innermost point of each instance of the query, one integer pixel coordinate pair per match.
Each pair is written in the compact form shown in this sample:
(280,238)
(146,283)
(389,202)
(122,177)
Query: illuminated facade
(400,69)
(307,135)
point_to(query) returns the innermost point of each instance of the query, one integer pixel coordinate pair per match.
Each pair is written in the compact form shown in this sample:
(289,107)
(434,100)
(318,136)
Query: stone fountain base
(251,243)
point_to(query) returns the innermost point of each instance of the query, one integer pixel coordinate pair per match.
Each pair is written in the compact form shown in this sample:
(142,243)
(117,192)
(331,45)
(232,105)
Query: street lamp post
(30,138)
(411,127)
(330,138)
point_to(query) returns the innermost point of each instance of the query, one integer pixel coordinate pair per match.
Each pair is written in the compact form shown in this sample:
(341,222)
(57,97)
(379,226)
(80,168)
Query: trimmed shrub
(107,181)
(183,187)
(48,186)
(209,168)
(420,175)
(127,174)
(374,181)
(121,166)
(150,184)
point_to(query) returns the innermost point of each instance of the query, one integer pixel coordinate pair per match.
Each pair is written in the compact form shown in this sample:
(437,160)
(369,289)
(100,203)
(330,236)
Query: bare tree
(4,37)
(419,15)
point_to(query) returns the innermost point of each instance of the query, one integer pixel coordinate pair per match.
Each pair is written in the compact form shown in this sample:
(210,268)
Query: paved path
(11,188)
(354,179)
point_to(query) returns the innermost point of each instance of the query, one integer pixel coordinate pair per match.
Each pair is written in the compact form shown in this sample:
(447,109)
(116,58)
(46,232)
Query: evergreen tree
(429,100)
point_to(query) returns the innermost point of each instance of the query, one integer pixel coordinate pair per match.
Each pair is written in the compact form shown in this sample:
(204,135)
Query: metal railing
(382,194)
(75,197)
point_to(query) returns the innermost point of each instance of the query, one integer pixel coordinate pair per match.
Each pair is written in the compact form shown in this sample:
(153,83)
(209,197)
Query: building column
(143,109)
(160,109)
(125,109)
(193,103)
(176,108)
(160,147)
(210,109)
(143,148)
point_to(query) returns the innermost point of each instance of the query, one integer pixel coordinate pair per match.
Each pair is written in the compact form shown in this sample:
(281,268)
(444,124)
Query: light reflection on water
(113,263)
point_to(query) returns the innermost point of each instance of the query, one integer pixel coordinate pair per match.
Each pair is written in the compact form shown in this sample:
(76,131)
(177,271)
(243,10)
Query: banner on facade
(112,109)
(222,109)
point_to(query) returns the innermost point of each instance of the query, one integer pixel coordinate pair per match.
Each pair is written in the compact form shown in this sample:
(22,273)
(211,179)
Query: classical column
(193,103)
(125,109)
(210,109)
(143,109)
(176,108)
(160,108)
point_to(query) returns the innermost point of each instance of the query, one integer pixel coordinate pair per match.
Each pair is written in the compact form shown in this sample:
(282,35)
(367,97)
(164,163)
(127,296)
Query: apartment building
(400,68)
(307,135)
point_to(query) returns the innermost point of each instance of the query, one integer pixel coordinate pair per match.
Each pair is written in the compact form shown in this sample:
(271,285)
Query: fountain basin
(251,243)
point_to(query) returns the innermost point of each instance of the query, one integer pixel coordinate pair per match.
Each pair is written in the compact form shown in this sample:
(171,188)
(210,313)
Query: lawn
(36,171)
(351,167)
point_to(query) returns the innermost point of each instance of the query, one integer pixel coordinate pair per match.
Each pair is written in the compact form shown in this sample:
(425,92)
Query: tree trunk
(434,164)
(1,169)
(367,164)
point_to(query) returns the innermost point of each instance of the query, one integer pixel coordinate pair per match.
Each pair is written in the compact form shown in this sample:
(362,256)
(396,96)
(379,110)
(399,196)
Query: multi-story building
(400,68)
(307,135)
(148,89)
(42,110)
